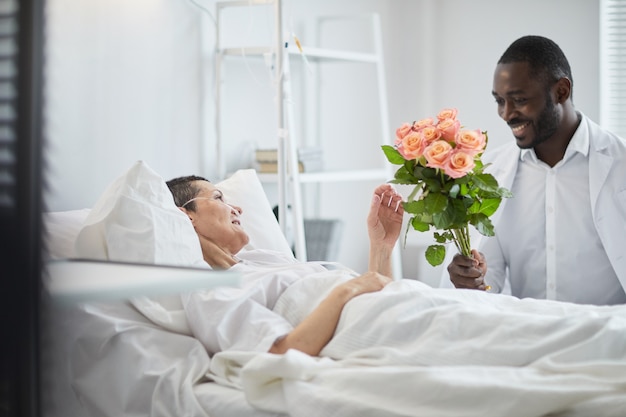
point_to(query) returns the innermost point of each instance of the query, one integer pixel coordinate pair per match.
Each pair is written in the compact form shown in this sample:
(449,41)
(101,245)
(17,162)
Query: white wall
(134,80)
(123,83)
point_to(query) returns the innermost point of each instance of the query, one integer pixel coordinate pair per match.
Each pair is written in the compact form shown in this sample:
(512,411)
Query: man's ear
(563,90)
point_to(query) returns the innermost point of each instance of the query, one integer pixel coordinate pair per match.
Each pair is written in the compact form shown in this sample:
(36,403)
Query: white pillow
(244,189)
(136,220)
(61,229)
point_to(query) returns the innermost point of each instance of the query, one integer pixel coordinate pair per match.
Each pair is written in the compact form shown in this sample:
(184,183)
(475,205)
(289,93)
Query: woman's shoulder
(265,256)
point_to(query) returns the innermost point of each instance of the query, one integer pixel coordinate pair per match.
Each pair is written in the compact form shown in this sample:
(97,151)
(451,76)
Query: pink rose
(420,124)
(447,114)
(459,163)
(437,154)
(449,128)
(410,146)
(402,132)
(471,141)
(429,135)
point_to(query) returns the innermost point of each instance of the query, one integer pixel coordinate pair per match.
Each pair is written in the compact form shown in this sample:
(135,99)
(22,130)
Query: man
(563,234)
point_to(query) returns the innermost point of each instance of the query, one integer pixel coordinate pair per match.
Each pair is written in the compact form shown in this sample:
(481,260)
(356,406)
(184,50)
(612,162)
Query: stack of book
(309,160)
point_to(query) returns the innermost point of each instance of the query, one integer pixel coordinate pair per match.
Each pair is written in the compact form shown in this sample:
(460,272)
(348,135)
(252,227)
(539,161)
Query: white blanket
(412,350)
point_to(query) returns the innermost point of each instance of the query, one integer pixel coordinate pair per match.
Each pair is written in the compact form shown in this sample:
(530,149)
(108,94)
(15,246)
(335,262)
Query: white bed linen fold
(412,350)
(112,361)
(408,350)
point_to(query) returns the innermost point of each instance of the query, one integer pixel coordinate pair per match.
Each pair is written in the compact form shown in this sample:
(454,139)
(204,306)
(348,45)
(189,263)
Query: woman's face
(215,220)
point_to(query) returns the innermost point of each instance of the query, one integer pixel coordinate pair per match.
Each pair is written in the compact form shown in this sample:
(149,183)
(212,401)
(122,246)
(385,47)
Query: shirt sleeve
(237,318)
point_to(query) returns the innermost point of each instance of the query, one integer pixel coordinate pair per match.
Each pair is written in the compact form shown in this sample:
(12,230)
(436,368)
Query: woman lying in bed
(222,237)
(331,311)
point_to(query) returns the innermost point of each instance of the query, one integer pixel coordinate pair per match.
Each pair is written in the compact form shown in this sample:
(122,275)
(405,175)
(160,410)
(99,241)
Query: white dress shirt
(546,235)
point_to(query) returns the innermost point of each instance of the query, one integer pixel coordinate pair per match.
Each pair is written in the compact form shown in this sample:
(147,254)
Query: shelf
(278,57)
(335,176)
(312,54)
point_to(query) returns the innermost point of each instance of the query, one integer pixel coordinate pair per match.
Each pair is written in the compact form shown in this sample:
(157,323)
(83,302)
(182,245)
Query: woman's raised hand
(384,221)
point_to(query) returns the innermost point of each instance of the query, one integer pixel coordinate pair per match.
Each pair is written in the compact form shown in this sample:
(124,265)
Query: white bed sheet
(415,350)
(225,401)
(435,352)
(110,360)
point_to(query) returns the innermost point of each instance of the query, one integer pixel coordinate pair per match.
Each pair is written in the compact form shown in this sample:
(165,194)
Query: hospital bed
(136,356)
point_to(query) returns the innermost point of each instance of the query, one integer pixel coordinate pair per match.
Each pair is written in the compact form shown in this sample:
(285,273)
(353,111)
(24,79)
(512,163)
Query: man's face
(526,104)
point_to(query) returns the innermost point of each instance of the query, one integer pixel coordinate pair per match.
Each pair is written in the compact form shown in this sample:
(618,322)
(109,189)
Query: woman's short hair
(183,190)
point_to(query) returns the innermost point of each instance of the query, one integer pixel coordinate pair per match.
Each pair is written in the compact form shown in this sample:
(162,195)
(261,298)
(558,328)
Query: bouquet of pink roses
(451,190)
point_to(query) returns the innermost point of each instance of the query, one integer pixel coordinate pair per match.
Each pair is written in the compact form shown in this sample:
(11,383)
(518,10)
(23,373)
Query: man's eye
(499,101)
(519,100)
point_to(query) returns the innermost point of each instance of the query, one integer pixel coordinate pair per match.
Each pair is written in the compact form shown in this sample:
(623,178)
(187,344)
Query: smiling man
(563,234)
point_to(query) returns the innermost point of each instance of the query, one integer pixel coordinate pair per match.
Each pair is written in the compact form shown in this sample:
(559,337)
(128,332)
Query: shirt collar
(579,143)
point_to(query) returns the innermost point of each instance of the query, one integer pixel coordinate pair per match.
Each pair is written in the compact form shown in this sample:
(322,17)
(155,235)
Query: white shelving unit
(288,178)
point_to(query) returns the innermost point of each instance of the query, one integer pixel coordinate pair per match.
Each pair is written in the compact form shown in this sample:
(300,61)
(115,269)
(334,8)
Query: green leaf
(409,165)
(403,176)
(505,193)
(430,173)
(435,254)
(478,166)
(483,224)
(414,207)
(443,237)
(433,185)
(393,155)
(442,220)
(474,207)
(417,171)
(454,190)
(489,206)
(457,212)
(486,182)
(464,180)
(435,203)
(419,225)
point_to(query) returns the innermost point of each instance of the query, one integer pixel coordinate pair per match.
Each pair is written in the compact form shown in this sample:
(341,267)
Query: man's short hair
(545,58)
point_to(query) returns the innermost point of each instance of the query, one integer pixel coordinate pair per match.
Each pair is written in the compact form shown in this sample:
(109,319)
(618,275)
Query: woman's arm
(383,226)
(315,331)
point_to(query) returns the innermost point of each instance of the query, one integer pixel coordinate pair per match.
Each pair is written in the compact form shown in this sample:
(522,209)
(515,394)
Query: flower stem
(414,192)
(462,240)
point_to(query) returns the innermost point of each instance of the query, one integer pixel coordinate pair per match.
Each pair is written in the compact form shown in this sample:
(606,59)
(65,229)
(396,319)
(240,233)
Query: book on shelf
(309,160)
(272,167)
(303,154)
(267,167)
(266,155)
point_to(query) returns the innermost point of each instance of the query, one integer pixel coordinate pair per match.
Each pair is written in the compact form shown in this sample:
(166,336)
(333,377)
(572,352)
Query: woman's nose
(236,209)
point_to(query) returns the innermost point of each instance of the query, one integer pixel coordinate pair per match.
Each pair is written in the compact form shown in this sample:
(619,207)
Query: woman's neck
(216,256)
